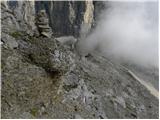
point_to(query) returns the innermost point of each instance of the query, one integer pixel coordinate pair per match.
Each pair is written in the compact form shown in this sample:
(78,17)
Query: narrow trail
(149,86)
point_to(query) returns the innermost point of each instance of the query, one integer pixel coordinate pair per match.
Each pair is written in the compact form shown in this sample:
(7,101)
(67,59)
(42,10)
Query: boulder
(9,41)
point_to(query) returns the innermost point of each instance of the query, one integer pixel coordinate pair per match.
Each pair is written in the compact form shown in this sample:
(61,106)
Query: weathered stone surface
(18,15)
(43,24)
(9,41)
(65,18)
(68,16)
(46,34)
(9,21)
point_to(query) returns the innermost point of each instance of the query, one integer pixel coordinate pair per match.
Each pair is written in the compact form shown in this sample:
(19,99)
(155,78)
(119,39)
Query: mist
(127,32)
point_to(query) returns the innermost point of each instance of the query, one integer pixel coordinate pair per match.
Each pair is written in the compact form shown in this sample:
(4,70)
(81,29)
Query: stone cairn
(42,23)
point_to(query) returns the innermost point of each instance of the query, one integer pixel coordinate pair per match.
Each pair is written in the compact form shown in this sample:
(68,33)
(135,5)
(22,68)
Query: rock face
(18,15)
(9,21)
(99,6)
(9,41)
(66,17)
(43,24)
(41,78)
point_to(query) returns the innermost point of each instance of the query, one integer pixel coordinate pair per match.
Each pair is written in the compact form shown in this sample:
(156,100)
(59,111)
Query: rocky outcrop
(89,14)
(66,17)
(43,79)
(9,41)
(25,14)
(8,20)
(43,24)
(18,15)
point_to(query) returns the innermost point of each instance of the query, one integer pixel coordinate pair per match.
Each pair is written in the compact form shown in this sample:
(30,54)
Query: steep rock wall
(66,17)
(19,14)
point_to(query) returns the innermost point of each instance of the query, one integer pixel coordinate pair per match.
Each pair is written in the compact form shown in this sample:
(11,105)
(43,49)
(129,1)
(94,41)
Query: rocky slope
(41,78)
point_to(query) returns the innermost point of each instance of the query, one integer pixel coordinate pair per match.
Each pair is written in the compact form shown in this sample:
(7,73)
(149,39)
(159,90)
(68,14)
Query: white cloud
(127,31)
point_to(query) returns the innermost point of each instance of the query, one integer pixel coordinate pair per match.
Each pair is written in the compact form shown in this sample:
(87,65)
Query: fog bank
(127,31)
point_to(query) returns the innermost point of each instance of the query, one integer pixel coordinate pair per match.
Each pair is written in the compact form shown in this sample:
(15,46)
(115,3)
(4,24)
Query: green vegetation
(16,34)
(34,111)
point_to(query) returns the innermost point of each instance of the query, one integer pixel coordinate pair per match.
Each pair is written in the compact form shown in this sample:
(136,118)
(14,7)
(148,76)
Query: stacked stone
(43,24)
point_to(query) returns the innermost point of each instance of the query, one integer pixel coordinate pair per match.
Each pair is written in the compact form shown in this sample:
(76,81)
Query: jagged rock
(9,22)
(9,41)
(47,34)
(18,15)
(66,17)
(25,12)
(70,79)
(121,101)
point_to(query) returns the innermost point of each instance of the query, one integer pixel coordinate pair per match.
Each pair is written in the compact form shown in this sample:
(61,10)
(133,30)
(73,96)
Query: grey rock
(46,34)
(70,79)
(9,41)
(42,20)
(64,16)
(77,116)
(46,30)
(19,16)
(43,24)
(121,101)
(25,12)
(9,21)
